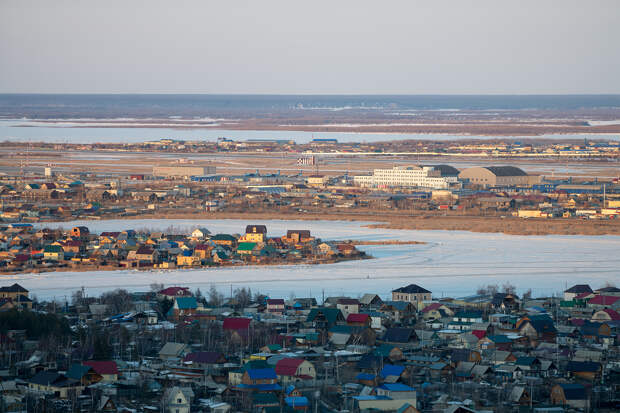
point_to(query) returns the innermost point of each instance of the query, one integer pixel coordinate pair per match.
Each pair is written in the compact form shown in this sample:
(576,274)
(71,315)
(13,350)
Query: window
(179,400)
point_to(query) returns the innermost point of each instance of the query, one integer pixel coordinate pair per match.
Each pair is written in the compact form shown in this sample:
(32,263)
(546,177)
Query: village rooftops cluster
(493,351)
(26,248)
(486,190)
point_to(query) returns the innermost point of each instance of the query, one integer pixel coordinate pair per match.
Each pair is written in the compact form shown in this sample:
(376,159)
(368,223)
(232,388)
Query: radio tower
(24,163)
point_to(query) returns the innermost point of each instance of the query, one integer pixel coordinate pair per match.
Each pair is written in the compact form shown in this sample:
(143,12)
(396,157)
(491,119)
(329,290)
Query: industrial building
(435,177)
(491,176)
(182,171)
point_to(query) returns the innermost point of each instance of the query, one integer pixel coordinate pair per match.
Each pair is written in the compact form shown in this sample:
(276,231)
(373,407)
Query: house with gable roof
(294,369)
(108,370)
(178,399)
(412,293)
(576,290)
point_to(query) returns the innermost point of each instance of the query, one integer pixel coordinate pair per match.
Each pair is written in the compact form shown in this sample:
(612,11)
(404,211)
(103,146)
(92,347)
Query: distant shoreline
(477,224)
(87,268)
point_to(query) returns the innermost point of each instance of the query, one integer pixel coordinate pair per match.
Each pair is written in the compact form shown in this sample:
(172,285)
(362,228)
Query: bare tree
(214,297)
(509,288)
(155,287)
(243,297)
(490,289)
(119,300)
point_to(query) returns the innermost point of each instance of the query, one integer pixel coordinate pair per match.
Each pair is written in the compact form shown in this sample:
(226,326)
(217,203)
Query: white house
(201,233)
(178,399)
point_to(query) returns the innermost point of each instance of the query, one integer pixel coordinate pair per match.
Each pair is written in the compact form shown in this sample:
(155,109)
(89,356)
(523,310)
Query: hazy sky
(318,46)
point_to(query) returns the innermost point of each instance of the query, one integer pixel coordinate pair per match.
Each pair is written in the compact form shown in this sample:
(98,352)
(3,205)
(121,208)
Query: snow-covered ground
(451,263)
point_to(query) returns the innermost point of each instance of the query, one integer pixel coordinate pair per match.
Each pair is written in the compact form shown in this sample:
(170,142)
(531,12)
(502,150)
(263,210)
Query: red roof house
(357,319)
(174,292)
(236,323)
(603,300)
(431,307)
(294,368)
(479,333)
(107,369)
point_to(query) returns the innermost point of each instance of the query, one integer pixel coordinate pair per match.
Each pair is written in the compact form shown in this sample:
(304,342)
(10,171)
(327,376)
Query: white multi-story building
(406,176)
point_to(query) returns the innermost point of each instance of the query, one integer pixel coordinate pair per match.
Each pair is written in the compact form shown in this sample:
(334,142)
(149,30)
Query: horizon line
(304,94)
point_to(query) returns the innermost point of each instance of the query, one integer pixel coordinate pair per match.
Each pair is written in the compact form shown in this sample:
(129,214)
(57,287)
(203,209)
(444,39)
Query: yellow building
(317,180)
(531,213)
(255,233)
(187,261)
(613,203)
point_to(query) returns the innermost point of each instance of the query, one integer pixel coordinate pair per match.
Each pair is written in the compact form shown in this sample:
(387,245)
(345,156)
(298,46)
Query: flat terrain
(487,224)
(110,162)
(453,263)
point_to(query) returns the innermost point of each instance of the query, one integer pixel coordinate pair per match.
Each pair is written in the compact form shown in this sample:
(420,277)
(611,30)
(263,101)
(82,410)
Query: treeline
(37,325)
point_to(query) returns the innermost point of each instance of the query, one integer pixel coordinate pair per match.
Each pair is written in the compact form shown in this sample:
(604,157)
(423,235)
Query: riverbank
(489,224)
(92,267)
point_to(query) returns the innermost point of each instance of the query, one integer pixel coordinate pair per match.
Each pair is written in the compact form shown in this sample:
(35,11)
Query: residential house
(238,328)
(348,306)
(505,302)
(391,373)
(412,293)
(298,236)
(54,382)
(143,253)
(200,233)
(576,290)
(224,240)
(204,359)
(604,315)
(294,369)
(400,311)
(399,335)
(248,248)
(397,391)
(106,405)
(537,328)
(436,311)
(371,301)
(604,301)
(184,307)
(53,253)
(17,295)
(188,259)
(173,351)
(586,370)
(178,399)
(108,370)
(171,293)
(275,306)
(261,379)
(323,318)
(360,320)
(570,394)
(80,232)
(463,320)
(254,233)
(84,374)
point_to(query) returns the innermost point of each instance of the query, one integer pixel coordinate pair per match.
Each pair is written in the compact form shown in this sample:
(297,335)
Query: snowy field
(452,263)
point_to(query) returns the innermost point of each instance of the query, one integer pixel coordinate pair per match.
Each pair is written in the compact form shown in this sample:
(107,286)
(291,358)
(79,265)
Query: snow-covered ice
(451,263)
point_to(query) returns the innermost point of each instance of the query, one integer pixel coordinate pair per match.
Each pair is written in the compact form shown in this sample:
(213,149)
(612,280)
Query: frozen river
(31,131)
(451,263)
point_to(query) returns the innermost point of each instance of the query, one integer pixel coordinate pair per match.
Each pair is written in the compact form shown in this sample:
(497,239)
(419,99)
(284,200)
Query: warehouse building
(492,176)
(182,171)
(408,176)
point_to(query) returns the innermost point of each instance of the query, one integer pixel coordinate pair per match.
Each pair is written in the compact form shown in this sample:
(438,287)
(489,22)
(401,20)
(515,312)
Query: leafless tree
(508,288)
(214,297)
(155,287)
(119,300)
